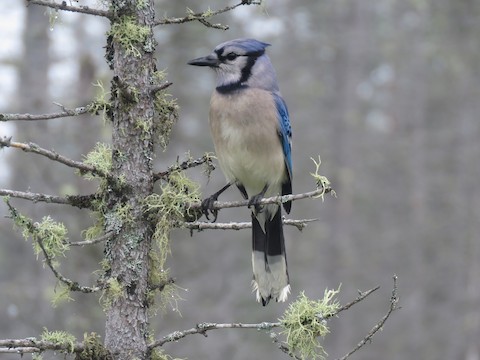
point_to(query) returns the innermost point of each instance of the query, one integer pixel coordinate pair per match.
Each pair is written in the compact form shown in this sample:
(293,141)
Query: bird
(252,136)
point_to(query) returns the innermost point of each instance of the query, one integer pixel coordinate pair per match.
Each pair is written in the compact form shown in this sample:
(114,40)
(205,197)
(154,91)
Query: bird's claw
(254,201)
(207,208)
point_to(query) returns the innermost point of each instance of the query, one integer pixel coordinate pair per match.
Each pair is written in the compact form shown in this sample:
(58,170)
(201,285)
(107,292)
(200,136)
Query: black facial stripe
(247,70)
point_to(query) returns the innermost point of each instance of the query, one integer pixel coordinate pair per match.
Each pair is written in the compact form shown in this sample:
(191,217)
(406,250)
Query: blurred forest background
(387,92)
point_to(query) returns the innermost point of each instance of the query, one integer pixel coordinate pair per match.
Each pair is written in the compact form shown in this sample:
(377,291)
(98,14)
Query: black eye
(231,56)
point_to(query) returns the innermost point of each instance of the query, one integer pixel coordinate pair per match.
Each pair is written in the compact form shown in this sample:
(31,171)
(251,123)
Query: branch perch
(271,200)
(200,225)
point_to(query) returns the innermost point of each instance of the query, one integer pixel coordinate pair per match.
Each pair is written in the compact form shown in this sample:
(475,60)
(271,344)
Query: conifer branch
(79,201)
(32,117)
(52,155)
(200,225)
(265,201)
(204,327)
(32,345)
(203,16)
(63,6)
(33,229)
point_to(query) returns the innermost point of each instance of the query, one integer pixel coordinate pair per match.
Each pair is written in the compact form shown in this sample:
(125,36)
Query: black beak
(210,60)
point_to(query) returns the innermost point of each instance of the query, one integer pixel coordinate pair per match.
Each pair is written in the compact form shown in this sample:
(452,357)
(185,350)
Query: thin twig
(34,148)
(31,117)
(102,238)
(162,285)
(393,306)
(156,88)
(79,201)
(202,16)
(284,347)
(187,164)
(72,285)
(200,225)
(79,9)
(361,296)
(204,327)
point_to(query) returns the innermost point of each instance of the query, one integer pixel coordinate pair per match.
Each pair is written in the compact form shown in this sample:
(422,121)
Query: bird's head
(239,63)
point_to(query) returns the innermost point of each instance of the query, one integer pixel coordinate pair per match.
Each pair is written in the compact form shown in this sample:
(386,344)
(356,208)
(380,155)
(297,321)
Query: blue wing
(285,134)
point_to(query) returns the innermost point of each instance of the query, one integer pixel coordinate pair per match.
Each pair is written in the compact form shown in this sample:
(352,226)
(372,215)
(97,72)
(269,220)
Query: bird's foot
(254,201)
(207,207)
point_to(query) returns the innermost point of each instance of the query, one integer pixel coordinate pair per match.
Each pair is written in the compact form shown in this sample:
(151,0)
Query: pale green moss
(305,321)
(168,208)
(101,104)
(100,158)
(166,111)
(53,236)
(321,181)
(93,348)
(61,294)
(158,354)
(59,337)
(112,292)
(130,35)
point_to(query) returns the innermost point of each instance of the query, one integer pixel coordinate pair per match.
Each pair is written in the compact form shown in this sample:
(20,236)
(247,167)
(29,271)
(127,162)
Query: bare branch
(187,164)
(204,327)
(393,306)
(31,117)
(200,225)
(72,285)
(80,201)
(34,148)
(156,88)
(102,238)
(32,345)
(79,9)
(202,16)
(361,296)
(162,285)
(35,197)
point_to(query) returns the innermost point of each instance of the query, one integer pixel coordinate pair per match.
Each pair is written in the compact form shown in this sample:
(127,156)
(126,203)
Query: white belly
(249,150)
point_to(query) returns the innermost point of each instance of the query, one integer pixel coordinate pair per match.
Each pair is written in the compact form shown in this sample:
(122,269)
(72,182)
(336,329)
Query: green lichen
(305,321)
(322,182)
(167,208)
(93,348)
(100,158)
(130,35)
(51,234)
(48,236)
(170,206)
(61,294)
(113,291)
(61,338)
(158,354)
(101,104)
(166,111)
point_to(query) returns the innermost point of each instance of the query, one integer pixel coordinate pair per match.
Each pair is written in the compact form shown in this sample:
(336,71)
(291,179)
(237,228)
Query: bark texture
(132,153)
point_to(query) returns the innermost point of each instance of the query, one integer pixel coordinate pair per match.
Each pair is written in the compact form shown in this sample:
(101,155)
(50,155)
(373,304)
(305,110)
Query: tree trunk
(132,154)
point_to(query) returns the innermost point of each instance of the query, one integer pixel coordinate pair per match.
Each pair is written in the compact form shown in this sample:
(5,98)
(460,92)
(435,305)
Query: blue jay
(251,132)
